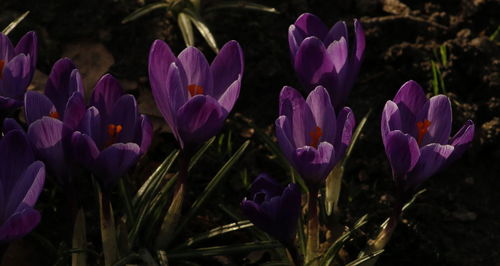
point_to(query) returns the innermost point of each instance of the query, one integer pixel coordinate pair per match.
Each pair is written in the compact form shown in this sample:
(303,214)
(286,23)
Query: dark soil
(455,222)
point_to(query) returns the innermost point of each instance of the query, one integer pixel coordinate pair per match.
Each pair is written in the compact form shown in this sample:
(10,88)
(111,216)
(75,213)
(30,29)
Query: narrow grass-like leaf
(127,202)
(435,82)
(216,232)
(241,5)
(210,188)
(108,230)
(202,28)
(444,56)
(366,258)
(441,80)
(186,28)
(144,11)
(406,206)
(224,250)
(333,250)
(495,34)
(14,23)
(79,240)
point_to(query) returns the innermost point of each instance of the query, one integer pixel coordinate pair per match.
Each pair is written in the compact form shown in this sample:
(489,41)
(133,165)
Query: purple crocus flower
(272,208)
(309,133)
(321,56)
(21,181)
(112,135)
(52,117)
(17,66)
(193,96)
(416,135)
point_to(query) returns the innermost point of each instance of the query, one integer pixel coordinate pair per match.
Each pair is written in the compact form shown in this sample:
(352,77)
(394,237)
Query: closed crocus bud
(112,134)
(273,208)
(323,56)
(312,137)
(21,179)
(416,135)
(193,96)
(17,66)
(53,116)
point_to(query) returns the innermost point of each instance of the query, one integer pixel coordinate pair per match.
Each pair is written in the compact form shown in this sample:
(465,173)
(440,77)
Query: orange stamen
(315,135)
(113,131)
(2,64)
(422,127)
(195,89)
(55,115)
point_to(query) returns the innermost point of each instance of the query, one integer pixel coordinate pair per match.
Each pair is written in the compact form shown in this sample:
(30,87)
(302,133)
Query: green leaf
(495,34)
(223,250)
(366,258)
(186,28)
(435,82)
(108,230)
(333,250)
(144,11)
(14,23)
(444,56)
(127,201)
(202,28)
(241,5)
(214,183)
(216,232)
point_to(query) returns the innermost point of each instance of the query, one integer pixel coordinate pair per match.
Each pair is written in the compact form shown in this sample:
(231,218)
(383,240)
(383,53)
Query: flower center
(2,64)
(195,89)
(315,135)
(422,127)
(113,132)
(55,115)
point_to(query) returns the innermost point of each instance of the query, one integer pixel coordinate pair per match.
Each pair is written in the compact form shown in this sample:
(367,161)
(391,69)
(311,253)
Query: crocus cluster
(193,96)
(21,181)
(17,66)
(310,134)
(416,136)
(273,208)
(321,56)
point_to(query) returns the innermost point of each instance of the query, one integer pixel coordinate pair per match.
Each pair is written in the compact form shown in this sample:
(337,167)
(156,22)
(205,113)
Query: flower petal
(432,158)
(391,120)
(295,108)
(295,38)
(197,69)
(229,97)
(403,153)
(288,213)
(27,188)
(439,114)
(345,127)
(6,48)
(60,85)
(36,106)
(124,113)
(462,140)
(226,68)
(313,65)
(198,120)
(314,164)
(28,45)
(336,32)
(19,224)
(85,150)
(115,161)
(322,110)
(75,110)
(410,100)
(144,133)
(106,92)
(17,75)
(10,124)
(16,155)
(264,183)
(285,136)
(311,25)
(91,125)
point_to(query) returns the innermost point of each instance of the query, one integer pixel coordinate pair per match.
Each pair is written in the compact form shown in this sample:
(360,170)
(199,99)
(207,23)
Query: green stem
(128,204)
(312,226)
(294,254)
(108,230)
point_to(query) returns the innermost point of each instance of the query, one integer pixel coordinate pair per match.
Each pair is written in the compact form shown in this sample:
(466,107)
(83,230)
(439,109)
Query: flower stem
(312,226)
(173,215)
(294,254)
(108,230)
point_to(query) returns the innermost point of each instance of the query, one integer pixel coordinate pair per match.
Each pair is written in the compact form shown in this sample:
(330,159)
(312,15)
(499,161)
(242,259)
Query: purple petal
(115,161)
(462,140)
(264,183)
(199,119)
(226,68)
(10,124)
(345,127)
(85,150)
(314,164)
(312,63)
(16,155)
(124,113)
(197,69)
(60,85)
(28,45)
(7,103)
(410,100)
(322,110)
(338,31)
(403,153)
(106,92)
(47,136)
(288,213)
(27,188)
(229,97)
(36,106)
(16,77)
(75,111)
(285,136)
(432,158)
(144,133)
(295,108)
(6,48)
(391,120)
(360,41)
(19,224)
(91,125)
(160,59)
(338,51)
(439,114)
(295,38)
(254,213)
(311,25)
